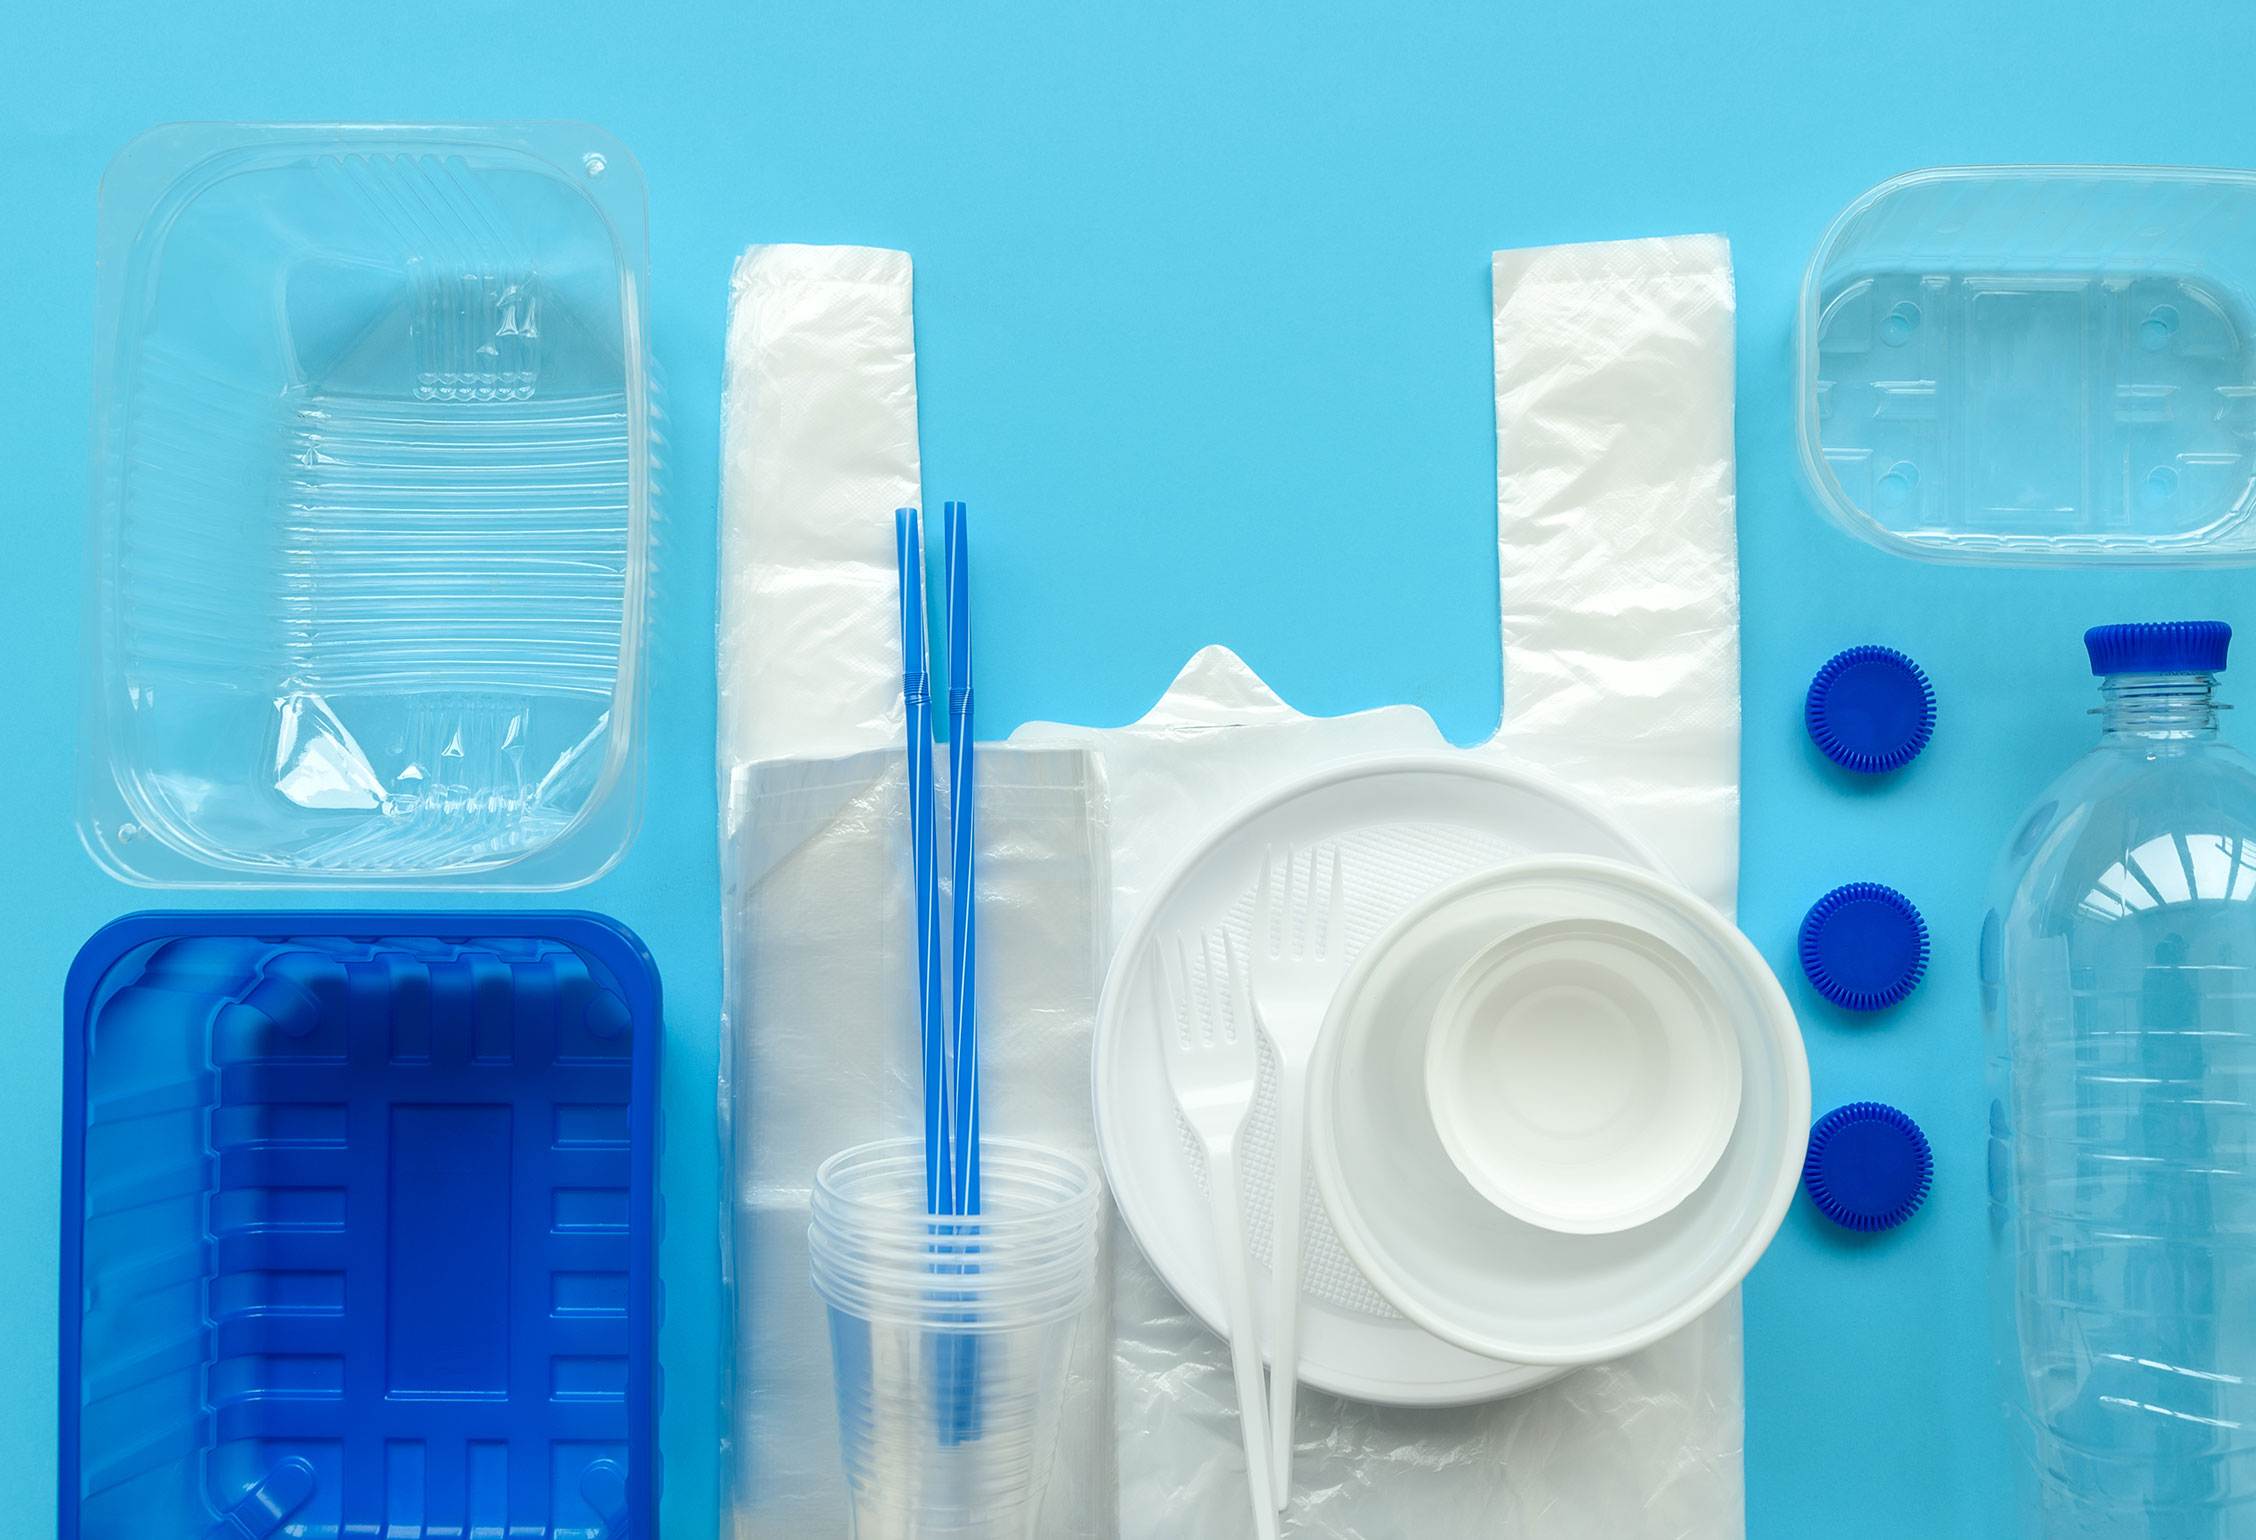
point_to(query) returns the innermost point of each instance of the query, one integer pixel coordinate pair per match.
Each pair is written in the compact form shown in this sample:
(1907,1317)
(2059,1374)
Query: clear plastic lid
(371,507)
(2037,365)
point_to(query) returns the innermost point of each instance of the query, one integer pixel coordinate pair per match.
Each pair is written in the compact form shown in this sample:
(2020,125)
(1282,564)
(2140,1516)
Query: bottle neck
(2157,706)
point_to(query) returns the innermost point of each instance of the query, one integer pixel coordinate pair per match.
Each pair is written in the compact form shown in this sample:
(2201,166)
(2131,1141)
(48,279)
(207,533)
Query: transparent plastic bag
(820,1052)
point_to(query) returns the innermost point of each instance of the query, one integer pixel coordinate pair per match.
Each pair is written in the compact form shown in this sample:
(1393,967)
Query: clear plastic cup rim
(928,1257)
(973,1277)
(1009,1168)
(937,1249)
(875,1255)
(988,1324)
(964,1288)
(977,1317)
(983,1274)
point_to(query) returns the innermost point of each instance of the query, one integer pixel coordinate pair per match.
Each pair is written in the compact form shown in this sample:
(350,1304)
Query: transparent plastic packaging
(949,1338)
(2037,365)
(371,507)
(2121,1012)
(820,1052)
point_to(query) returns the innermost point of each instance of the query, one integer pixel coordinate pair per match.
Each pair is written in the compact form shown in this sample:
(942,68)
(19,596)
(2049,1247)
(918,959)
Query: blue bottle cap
(2159,647)
(1864,946)
(1870,709)
(1868,1166)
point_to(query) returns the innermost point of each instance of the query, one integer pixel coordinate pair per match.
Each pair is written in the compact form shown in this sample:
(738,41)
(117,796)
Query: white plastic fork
(1299,957)
(1213,1062)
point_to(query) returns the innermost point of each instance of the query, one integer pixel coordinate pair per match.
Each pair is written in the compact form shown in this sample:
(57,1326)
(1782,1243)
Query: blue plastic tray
(359,1228)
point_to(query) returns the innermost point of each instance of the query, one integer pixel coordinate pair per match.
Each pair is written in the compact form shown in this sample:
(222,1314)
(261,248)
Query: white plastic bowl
(1434,1245)
(1583,1075)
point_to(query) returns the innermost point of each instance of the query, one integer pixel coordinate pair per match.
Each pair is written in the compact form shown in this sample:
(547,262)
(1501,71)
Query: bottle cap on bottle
(1870,709)
(2159,647)
(1868,1166)
(1864,946)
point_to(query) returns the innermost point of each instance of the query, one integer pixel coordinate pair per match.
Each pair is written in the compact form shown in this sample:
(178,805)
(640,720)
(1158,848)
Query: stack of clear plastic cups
(949,1336)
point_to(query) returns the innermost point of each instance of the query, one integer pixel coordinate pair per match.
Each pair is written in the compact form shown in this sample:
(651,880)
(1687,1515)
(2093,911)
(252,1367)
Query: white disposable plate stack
(1408,829)
(1594,1259)
(1404,827)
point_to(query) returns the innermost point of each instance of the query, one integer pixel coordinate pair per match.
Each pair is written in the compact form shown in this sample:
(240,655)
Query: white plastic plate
(1405,827)
(1454,1262)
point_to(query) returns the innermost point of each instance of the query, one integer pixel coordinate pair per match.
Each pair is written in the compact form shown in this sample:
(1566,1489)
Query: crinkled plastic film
(1616,525)
(1644,1449)
(1618,559)
(818,447)
(821,1046)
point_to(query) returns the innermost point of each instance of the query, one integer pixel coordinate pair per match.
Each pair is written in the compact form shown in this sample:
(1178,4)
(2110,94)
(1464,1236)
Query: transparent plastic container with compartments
(2037,365)
(372,503)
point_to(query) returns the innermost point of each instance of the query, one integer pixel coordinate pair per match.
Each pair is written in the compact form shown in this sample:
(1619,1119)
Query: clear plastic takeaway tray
(371,507)
(2037,365)
(359,1227)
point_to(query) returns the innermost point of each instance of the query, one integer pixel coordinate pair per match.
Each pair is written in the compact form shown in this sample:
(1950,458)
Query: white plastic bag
(1617,536)
(1619,564)
(1614,380)
(818,447)
(1642,1449)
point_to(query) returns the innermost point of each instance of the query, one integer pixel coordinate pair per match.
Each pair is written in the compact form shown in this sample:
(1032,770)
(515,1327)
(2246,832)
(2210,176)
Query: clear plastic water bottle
(2119,979)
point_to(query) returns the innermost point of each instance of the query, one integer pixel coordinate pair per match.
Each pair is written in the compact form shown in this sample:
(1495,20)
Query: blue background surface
(1203,323)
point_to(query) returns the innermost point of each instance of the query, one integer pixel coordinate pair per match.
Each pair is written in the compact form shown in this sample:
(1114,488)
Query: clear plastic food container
(371,507)
(2037,365)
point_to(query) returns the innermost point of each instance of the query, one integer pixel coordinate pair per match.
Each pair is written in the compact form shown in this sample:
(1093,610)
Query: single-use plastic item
(1583,1075)
(950,1337)
(1298,956)
(2037,365)
(1617,537)
(1638,705)
(2159,647)
(1863,946)
(371,513)
(963,839)
(818,427)
(1212,1045)
(819,444)
(359,1227)
(821,930)
(1868,1166)
(1439,1251)
(924,876)
(1870,709)
(1407,826)
(2121,1012)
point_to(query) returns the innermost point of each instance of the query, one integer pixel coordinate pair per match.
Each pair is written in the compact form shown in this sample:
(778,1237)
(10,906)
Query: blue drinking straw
(963,1131)
(916,695)
(960,1379)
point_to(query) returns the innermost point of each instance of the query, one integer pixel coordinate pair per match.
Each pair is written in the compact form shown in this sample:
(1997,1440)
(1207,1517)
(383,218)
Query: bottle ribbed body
(2119,976)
